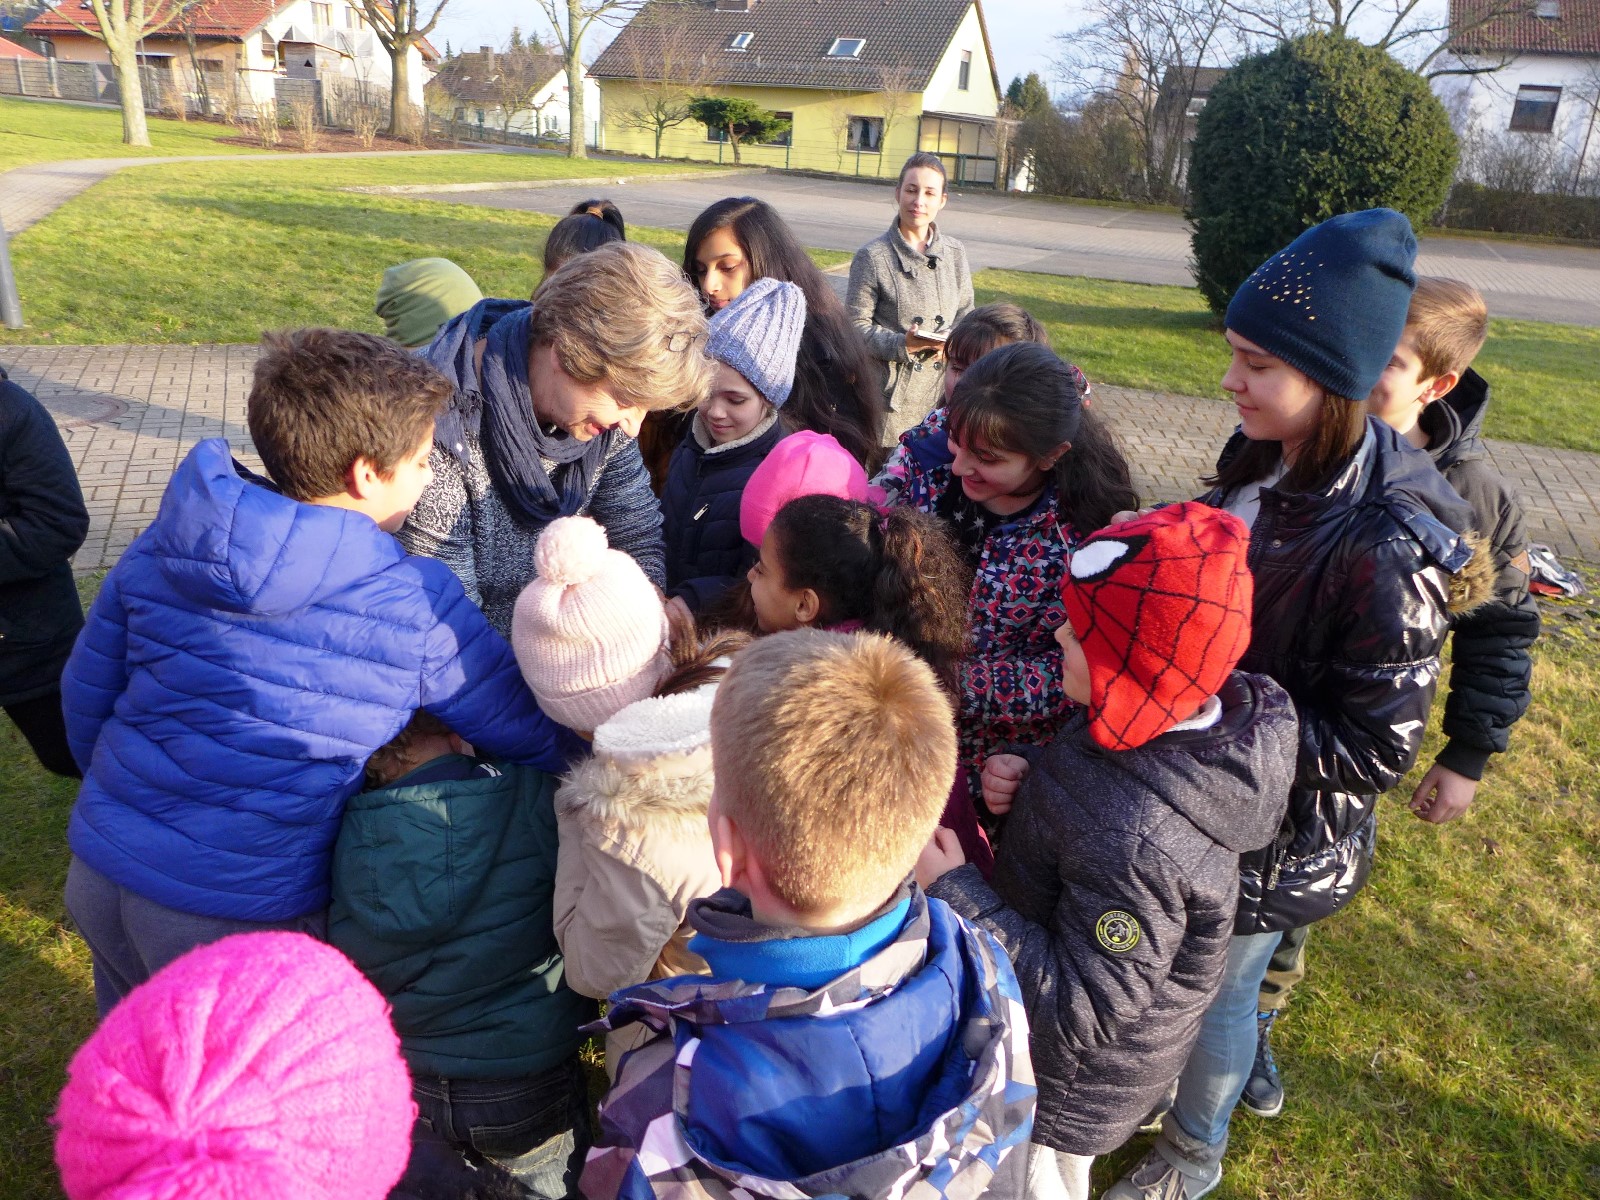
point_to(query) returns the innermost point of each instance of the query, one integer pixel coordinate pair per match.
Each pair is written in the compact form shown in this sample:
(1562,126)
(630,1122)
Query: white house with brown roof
(863,83)
(1538,76)
(253,41)
(517,91)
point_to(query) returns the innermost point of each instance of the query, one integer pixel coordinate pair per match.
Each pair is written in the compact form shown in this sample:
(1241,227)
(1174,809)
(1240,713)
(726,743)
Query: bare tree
(669,70)
(897,97)
(1417,32)
(122,25)
(399,26)
(839,121)
(571,21)
(1142,59)
(522,71)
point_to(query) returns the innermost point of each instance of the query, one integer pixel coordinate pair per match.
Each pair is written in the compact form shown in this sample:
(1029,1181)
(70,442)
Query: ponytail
(694,657)
(902,574)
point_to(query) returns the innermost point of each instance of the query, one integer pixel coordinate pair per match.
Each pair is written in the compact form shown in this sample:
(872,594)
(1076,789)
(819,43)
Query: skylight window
(740,41)
(1550,10)
(846,47)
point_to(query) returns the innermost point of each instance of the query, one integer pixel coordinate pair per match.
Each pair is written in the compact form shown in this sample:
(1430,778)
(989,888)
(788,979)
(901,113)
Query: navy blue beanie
(1333,303)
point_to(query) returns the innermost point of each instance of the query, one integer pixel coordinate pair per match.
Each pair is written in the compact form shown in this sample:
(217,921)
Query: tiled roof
(790,41)
(1484,29)
(9,49)
(470,77)
(216,18)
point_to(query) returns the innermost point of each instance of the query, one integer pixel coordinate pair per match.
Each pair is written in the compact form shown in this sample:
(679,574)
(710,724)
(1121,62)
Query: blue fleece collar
(800,962)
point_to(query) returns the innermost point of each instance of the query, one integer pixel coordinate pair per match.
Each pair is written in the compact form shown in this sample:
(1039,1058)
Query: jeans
(131,938)
(1219,1065)
(533,1131)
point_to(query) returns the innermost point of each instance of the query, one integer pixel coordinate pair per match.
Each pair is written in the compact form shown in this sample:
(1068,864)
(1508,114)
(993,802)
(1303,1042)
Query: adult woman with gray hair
(908,287)
(549,397)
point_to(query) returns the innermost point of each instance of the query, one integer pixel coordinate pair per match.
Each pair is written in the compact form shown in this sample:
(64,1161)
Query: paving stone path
(130,413)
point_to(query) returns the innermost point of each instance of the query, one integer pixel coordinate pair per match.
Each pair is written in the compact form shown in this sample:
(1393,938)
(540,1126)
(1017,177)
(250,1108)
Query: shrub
(1092,153)
(1319,126)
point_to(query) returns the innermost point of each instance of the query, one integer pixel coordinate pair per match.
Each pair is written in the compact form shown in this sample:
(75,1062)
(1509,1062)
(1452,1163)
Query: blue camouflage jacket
(910,1070)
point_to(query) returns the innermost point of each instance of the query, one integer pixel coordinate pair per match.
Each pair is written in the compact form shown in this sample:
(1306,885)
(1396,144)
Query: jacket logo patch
(1117,931)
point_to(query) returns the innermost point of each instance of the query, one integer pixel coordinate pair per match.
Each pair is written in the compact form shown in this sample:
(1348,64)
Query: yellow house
(863,83)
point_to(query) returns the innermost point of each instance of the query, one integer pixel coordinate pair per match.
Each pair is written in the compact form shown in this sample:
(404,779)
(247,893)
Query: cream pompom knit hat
(590,631)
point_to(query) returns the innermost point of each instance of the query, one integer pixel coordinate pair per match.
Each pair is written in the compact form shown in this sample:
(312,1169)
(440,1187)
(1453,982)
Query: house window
(1535,109)
(964,82)
(321,14)
(352,19)
(268,46)
(1550,10)
(1196,103)
(787,136)
(846,47)
(718,134)
(866,134)
(740,41)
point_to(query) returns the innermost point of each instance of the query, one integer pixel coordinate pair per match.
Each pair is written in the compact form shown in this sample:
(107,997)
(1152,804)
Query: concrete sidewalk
(130,413)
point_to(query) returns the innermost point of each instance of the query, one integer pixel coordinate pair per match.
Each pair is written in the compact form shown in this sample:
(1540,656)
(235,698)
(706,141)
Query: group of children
(920,833)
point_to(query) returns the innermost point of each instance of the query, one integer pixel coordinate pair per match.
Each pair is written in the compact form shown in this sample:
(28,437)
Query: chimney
(736,5)
(488,58)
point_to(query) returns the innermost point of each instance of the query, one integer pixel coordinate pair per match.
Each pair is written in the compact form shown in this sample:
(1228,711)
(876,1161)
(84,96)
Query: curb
(413,189)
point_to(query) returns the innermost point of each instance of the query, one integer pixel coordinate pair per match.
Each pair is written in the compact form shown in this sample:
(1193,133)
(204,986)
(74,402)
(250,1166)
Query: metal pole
(10,302)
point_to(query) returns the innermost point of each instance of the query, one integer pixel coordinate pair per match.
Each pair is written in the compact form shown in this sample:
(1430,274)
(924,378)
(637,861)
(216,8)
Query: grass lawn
(35,131)
(1443,1045)
(229,249)
(1546,387)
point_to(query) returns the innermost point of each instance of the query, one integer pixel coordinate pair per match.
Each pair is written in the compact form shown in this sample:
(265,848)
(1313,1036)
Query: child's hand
(940,856)
(1002,776)
(1443,795)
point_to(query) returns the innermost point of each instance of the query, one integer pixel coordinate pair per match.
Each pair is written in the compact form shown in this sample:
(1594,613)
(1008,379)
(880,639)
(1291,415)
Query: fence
(210,93)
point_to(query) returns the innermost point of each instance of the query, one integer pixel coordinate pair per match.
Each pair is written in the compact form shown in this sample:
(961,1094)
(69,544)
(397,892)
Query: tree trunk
(659,131)
(124,55)
(576,140)
(400,114)
(734,142)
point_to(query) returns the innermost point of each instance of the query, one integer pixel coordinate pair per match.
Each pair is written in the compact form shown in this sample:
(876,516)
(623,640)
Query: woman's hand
(916,343)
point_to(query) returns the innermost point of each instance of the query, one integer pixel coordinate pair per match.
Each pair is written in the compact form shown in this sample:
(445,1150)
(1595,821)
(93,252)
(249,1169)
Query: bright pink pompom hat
(803,464)
(262,1066)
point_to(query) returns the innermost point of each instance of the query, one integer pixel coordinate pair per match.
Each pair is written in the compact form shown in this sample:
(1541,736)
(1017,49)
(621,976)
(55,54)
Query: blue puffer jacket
(706,553)
(240,664)
(906,1074)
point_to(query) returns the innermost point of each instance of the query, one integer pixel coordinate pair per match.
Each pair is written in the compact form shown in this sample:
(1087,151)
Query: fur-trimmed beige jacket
(635,846)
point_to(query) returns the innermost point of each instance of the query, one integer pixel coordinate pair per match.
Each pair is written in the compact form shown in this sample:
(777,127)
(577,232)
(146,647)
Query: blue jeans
(534,1130)
(1219,1065)
(131,938)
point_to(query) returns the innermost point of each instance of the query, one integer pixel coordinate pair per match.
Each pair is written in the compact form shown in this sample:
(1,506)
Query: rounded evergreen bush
(1319,126)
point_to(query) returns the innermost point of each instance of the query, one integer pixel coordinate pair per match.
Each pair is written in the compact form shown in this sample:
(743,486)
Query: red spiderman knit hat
(1161,607)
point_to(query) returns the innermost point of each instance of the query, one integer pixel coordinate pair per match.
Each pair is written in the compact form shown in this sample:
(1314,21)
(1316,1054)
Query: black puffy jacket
(1354,589)
(42,524)
(706,553)
(1491,669)
(1114,896)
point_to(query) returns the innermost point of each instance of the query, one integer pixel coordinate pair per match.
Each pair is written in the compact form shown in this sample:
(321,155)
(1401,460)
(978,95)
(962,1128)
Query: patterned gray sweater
(462,522)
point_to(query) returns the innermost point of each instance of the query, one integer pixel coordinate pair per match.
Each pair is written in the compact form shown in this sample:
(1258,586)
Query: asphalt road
(1524,280)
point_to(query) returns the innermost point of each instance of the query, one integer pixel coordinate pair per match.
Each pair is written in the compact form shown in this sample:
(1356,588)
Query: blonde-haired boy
(854,1037)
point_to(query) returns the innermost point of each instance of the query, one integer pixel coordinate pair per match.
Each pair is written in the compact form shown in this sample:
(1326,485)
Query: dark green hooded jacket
(441,895)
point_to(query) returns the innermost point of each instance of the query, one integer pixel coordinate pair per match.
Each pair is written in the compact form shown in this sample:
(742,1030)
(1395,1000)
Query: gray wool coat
(891,285)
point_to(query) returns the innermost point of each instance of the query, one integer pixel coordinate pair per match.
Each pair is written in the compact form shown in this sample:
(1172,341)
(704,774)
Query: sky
(1018,30)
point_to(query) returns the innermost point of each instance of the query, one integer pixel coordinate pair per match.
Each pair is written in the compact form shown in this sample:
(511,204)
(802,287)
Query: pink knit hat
(590,631)
(260,1067)
(802,464)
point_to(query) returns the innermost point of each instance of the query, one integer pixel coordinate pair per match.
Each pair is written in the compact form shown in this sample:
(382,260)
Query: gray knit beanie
(758,335)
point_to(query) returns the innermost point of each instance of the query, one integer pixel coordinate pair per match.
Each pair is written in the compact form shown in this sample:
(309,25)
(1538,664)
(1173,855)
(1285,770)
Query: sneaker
(1164,1175)
(1263,1093)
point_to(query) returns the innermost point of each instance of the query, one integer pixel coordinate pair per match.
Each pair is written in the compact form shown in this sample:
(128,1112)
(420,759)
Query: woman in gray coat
(907,288)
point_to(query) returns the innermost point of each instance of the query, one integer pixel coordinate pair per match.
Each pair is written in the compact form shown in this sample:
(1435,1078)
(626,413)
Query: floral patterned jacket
(1011,684)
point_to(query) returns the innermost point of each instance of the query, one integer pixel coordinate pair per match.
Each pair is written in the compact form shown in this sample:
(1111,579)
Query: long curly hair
(902,574)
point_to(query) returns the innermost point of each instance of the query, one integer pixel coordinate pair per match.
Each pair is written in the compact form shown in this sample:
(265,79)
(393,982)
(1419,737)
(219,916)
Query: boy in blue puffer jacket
(854,1038)
(252,649)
